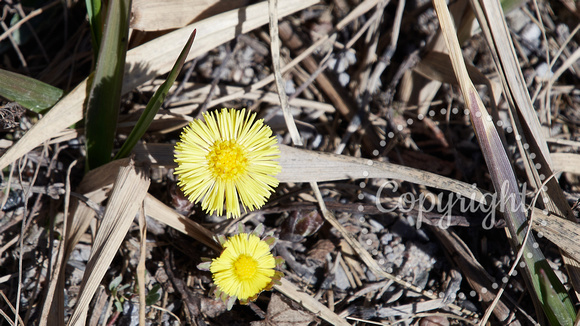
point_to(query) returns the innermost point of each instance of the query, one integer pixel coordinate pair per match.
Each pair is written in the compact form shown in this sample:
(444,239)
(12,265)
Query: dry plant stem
(543,29)
(215,81)
(11,308)
(166,215)
(574,58)
(323,65)
(141,271)
(275,48)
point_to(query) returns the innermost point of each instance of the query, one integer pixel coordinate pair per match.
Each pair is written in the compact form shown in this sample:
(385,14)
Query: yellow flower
(227,159)
(245,268)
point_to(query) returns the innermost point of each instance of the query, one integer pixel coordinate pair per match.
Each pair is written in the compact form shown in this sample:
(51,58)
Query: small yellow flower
(245,268)
(227,159)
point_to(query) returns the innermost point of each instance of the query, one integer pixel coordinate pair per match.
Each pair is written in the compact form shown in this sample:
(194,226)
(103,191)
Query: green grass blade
(155,103)
(28,92)
(94,13)
(553,299)
(105,94)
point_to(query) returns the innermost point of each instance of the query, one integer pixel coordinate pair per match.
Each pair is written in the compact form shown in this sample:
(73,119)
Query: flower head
(245,268)
(227,159)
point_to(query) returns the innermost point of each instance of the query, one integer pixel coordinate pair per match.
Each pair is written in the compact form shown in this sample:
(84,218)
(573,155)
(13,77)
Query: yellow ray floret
(245,267)
(226,159)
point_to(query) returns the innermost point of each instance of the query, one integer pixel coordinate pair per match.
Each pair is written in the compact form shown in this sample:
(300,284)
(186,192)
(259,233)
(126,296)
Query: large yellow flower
(227,159)
(245,268)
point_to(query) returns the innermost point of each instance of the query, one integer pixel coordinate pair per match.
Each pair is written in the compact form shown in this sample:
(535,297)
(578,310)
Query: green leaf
(105,94)
(155,103)
(28,92)
(115,282)
(123,287)
(553,300)
(94,14)
(153,295)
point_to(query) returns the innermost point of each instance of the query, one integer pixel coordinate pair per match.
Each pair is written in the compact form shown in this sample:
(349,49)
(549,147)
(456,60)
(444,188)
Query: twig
(275,49)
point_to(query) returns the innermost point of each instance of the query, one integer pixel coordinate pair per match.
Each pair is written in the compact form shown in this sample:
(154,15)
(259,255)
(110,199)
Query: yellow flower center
(227,160)
(245,267)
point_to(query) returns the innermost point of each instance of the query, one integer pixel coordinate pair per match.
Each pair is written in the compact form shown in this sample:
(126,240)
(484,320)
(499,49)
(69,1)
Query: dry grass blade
(566,162)
(563,233)
(95,187)
(126,198)
(150,60)
(494,27)
(153,15)
(167,215)
(301,165)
